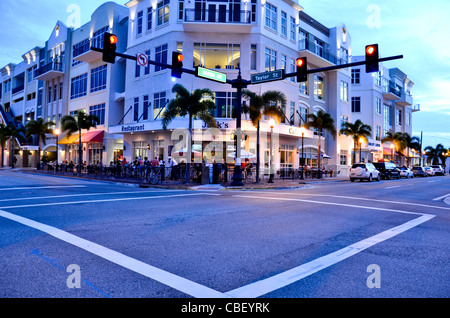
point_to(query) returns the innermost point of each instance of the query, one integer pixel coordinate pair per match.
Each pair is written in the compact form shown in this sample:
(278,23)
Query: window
(343,158)
(399,116)
(146,106)
(99,111)
(378,105)
(293,28)
(225,103)
(95,152)
(303,113)
(7,86)
(163,12)
(55,93)
(139,149)
(78,86)
(378,133)
(386,116)
(344,119)
(377,76)
(137,70)
(49,95)
(286,156)
(147,68)
(303,88)
(319,47)
(283,23)
(318,87)
(98,37)
(180,10)
(161,57)
(356,76)
(293,68)
(136,109)
(140,21)
(218,56)
(271,16)
(253,57)
(98,78)
(408,119)
(344,91)
(159,102)
(292,113)
(149,18)
(271,60)
(283,62)
(356,104)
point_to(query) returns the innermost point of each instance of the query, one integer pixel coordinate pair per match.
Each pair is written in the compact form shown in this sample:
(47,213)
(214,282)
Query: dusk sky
(416,29)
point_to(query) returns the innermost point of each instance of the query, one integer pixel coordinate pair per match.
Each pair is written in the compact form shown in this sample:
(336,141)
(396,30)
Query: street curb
(447,200)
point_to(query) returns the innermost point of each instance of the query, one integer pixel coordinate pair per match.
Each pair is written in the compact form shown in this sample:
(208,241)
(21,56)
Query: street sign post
(211,75)
(267,77)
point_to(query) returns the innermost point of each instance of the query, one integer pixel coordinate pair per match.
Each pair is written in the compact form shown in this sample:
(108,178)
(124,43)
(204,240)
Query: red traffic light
(299,62)
(370,49)
(372,58)
(180,57)
(302,69)
(113,39)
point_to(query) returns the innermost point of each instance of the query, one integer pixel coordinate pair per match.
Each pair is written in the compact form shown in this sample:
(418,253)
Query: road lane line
(293,275)
(179,283)
(392,187)
(102,200)
(441,197)
(45,187)
(361,199)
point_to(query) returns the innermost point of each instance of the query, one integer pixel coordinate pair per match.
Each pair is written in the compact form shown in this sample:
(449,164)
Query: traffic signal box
(372,58)
(109,48)
(302,68)
(177,64)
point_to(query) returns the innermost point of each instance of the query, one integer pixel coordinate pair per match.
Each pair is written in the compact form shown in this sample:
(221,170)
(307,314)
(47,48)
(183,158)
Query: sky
(416,29)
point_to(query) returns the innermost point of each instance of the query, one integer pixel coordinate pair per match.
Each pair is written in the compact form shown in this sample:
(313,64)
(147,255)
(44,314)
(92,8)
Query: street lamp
(56,132)
(272,124)
(360,145)
(302,161)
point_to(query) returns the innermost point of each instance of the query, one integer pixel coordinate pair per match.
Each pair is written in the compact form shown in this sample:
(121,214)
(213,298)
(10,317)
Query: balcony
(391,92)
(405,100)
(318,55)
(82,52)
(50,71)
(217,20)
(18,89)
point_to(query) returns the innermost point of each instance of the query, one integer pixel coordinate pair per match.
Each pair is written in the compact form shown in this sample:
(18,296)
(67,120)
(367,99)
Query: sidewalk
(169,184)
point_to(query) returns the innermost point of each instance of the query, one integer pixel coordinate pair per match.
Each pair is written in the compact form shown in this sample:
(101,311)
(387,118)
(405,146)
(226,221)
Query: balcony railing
(391,88)
(320,51)
(87,44)
(217,16)
(52,66)
(18,89)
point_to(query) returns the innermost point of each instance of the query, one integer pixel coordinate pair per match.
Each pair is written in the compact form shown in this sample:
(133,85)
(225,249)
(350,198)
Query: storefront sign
(132,128)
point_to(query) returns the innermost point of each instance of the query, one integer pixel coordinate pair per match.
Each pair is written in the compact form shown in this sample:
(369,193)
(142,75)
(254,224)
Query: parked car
(364,171)
(406,172)
(438,170)
(387,170)
(419,172)
(429,171)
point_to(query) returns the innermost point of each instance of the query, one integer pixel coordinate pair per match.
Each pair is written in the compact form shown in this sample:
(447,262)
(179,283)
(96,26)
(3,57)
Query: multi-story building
(250,37)
(384,101)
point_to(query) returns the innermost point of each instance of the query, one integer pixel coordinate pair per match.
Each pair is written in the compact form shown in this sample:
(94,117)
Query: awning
(92,137)
(68,140)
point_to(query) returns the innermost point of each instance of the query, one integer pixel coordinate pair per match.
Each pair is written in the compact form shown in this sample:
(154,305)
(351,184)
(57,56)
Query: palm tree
(39,128)
(15,134)
(411,143)
(71,124)
(5,134)
(267,105)
(397,139)
(322,122)
(434,154)
(356,131)
(195,106)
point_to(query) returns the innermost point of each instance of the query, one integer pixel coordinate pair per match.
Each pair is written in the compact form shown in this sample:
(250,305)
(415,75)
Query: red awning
(92,137)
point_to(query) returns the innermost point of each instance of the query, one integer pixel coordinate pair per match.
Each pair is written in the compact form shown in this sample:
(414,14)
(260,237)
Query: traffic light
(177,64)
(372,57)
(302,68)
(109,48)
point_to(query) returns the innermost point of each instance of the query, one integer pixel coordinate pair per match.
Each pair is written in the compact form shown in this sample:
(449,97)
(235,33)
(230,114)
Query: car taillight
(367,169)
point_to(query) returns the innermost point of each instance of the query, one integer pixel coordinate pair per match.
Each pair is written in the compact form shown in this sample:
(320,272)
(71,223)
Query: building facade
(232,37)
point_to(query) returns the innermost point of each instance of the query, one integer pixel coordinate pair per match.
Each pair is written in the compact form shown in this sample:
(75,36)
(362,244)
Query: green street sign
(211,75)
(267,77)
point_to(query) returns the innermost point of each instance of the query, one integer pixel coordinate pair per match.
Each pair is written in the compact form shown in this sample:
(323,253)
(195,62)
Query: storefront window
(286,156)
(217,56)
(139,149)
(95,153)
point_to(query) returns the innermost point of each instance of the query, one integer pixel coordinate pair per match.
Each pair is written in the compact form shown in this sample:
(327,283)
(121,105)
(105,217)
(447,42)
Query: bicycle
(153,175)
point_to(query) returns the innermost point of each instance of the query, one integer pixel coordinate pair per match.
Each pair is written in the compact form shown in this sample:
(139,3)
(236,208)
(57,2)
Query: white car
(364,171)
(438,169)
(406,172)
(430,171)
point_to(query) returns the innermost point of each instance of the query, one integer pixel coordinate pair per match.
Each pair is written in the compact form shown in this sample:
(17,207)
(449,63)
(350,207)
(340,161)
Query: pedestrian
(155,162)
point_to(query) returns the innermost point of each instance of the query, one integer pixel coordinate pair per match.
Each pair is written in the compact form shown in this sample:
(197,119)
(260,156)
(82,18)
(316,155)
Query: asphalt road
(70,238)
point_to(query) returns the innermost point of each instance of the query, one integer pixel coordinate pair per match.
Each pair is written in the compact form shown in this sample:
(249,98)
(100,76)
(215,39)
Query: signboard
(211,75)
(142,59)
(267,77)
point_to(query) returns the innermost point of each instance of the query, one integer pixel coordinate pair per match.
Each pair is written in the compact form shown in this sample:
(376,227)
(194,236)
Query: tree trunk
(319,155)
(80,152)
(189,151)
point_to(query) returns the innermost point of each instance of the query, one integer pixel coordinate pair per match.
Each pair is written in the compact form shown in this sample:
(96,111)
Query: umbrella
(325,156)
(244,154)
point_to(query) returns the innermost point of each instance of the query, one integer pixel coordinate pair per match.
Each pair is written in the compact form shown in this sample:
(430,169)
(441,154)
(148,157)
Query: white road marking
(102,200)
(46,187)
(392,187)
(441,197)
(293,275)
(362,199)
(179,283)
